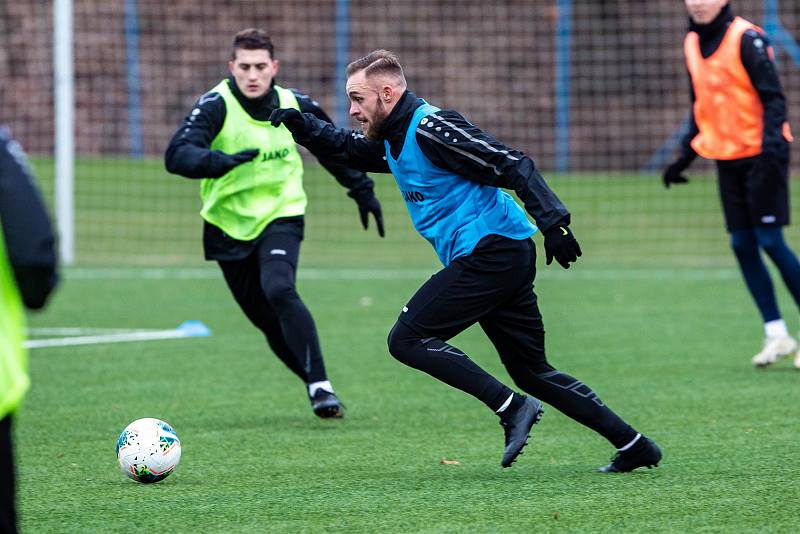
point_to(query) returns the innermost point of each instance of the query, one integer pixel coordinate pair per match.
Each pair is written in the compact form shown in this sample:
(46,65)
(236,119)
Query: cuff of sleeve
(563,221)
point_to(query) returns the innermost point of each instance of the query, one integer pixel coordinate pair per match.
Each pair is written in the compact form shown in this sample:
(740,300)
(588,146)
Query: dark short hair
(252,39)
(377,62)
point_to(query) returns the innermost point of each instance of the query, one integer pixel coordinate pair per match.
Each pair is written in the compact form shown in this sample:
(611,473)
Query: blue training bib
(452,212)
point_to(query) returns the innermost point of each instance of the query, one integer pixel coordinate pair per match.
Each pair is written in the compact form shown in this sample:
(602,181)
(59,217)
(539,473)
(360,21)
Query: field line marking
(80,331)
(187,329)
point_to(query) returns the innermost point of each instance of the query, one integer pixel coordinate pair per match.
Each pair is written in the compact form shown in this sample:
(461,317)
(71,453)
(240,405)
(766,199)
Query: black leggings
(264,286)
(494,287)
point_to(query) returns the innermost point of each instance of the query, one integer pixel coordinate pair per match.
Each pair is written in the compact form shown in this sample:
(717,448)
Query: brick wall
(493,61)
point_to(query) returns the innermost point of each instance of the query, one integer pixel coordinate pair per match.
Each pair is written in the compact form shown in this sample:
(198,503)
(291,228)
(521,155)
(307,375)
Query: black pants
(493,287)
(8,516)
(263,283)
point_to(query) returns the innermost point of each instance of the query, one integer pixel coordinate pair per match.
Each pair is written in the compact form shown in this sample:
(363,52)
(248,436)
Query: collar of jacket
(259,108)
(715,27)
(396,124)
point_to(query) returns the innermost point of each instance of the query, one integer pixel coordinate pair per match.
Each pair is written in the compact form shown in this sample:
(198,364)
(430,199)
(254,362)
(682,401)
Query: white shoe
(774,349)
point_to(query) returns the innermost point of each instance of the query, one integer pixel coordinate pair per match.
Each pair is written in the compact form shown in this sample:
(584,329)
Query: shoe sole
(329,413)
(649,466)
(609,472)
(778,357)
(536,419)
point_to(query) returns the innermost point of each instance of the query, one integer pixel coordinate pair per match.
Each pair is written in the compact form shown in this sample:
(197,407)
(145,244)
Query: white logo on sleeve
(208,97)
(405,309)
(767,219)
(277,252)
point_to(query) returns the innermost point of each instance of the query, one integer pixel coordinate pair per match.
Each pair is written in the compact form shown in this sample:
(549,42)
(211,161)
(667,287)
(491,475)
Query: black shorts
(492,286)
(283,234)
(750,199)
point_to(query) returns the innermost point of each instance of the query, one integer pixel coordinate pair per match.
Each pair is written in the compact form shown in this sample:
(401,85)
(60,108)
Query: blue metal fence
(133,79)
(562,88)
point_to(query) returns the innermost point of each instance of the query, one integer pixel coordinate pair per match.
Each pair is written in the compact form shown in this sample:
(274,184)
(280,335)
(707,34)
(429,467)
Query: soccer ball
(148,450)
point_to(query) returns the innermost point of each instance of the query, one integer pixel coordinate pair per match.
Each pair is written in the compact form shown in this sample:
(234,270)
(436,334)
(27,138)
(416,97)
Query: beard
(372,130)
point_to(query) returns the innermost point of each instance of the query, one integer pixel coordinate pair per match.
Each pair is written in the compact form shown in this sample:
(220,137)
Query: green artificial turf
(132,212)
(667,348)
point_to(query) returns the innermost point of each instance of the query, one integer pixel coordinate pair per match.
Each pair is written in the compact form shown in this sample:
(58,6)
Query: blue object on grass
(194,329)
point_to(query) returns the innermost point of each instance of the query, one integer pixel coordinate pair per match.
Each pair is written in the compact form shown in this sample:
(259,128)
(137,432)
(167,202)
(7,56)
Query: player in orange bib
(739,120)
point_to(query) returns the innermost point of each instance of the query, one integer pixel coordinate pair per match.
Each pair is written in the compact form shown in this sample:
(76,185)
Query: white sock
(629,445)
(505,404)
(776,328)
(314,386)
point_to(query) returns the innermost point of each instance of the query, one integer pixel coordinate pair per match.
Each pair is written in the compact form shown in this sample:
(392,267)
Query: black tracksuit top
(479,157)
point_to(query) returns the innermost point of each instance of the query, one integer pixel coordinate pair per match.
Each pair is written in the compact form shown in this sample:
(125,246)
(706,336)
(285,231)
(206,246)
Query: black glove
(559,243)
(223,163)
(289,117)
(673,174)
(369,204)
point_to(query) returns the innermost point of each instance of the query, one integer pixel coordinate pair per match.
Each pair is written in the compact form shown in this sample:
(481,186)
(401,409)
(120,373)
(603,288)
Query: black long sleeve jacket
(757,61)
(28,235)
(189,155)
(477,156)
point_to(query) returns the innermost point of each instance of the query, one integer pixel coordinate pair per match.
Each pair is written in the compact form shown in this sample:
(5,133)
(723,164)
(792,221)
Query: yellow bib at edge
(14,381)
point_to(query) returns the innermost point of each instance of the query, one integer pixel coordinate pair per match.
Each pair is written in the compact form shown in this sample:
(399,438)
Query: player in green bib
(27,276)
(251,185)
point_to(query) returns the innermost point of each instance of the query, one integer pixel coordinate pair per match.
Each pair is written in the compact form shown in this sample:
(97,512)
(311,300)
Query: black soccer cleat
(643,453)
(326,405)
(517,426)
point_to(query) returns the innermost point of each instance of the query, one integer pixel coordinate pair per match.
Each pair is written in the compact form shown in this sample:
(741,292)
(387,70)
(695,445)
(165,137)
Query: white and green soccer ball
(148,450)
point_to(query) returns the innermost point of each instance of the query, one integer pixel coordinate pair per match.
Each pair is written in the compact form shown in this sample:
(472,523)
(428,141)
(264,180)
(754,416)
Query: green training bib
(246,199)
